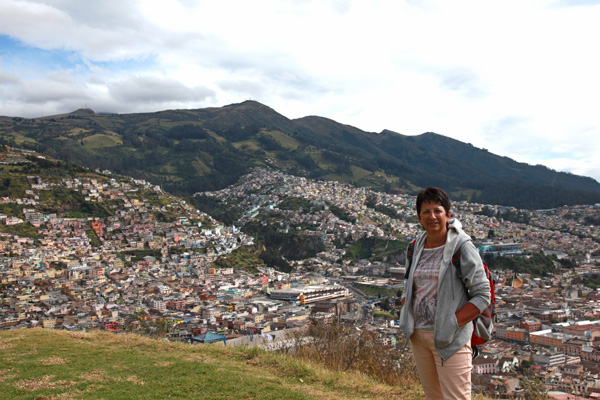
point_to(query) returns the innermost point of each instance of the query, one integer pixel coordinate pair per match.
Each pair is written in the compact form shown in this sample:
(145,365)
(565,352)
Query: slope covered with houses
(89,250)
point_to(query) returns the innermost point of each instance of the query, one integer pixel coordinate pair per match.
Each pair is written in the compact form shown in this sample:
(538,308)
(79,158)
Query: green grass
(24,229)
(468,193)
(283,139)
(383,314)
(359,173)
(200,167)
(374,290)
(51,364)
(245,257)
(374,249)
(20,139)
(100,141)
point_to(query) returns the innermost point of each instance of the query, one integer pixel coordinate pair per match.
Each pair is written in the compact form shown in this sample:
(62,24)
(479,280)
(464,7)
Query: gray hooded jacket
(455,289)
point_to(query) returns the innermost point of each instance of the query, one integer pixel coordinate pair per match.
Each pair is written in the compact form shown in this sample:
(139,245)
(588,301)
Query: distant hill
(187,151)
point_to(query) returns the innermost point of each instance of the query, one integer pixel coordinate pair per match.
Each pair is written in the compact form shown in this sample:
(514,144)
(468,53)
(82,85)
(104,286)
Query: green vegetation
(344,348)
(375,291)
(389,211)
(592,281)
(385,315)
(530,196)
(138,255)
(292,245)
(100,141)
(294,204)
(509,215)
(536,264)
(13,184)
(245,258)
(71,203)
(94,240)
(144,324)
(216,208)
(189,151)
(375,249)
(53,364)
(24,230)
(12,210)
(341,214)
(272,259)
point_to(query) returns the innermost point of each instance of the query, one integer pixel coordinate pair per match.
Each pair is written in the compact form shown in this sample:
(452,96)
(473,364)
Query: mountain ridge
(188,151)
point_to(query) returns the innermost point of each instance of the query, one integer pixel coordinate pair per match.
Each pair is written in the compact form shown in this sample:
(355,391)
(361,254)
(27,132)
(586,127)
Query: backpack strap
(456,261)
(409,256)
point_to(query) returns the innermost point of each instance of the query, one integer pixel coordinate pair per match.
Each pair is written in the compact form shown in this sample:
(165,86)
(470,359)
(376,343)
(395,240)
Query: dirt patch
(4,346)
(79,335)
(197,358)
(44,382)
(53,361)
(99,375)
(5,374)
(135,380)
(62,396)
(18,337)
(163,363)
(96,375)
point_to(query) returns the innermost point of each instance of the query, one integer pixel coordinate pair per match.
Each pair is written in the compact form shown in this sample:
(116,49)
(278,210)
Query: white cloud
(516,77)
(150,89)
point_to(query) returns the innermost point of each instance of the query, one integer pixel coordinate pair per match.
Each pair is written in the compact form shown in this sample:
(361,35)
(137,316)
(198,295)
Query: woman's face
(433,217)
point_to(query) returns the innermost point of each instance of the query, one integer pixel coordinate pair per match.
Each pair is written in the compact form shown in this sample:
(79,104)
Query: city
(156,256)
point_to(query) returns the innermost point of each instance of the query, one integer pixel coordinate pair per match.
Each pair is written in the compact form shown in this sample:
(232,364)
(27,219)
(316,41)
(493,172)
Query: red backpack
(483,324)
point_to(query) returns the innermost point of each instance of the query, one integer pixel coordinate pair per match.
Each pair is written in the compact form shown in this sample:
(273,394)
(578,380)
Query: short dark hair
(434,195)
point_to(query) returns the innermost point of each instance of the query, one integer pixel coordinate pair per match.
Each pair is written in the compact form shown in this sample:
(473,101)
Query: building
(485,365)
(547,338)
(309,294)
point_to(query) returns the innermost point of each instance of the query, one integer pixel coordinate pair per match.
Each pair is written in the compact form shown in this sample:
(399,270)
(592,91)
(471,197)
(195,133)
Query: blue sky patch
(18,57)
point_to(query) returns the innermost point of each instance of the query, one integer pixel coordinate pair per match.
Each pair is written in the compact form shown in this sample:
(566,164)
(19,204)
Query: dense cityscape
(153,266)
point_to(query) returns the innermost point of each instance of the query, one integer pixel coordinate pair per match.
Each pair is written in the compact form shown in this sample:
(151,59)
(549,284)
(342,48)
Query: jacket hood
(455,238)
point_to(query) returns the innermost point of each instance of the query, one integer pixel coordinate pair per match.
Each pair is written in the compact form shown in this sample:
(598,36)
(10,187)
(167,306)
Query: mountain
(188,151)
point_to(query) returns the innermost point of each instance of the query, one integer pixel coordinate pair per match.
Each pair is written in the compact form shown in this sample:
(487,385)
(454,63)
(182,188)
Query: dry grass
(53,361)
(348,348)
(96,375)
(45,382)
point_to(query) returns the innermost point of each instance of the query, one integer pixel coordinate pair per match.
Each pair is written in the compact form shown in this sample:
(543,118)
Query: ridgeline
(189,151)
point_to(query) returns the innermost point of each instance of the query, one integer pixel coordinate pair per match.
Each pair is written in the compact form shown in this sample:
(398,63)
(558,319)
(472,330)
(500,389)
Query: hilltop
(52,364)
(188,151)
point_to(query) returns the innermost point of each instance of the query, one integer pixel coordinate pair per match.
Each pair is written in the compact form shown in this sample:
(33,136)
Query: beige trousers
(448,379)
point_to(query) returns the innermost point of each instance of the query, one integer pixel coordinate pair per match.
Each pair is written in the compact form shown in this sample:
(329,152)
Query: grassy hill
(187,151)
(52,364)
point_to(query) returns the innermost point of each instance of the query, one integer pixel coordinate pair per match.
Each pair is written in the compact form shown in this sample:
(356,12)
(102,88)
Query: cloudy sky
(517,77)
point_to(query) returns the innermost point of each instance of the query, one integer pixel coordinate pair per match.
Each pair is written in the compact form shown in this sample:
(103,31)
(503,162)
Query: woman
(440,301)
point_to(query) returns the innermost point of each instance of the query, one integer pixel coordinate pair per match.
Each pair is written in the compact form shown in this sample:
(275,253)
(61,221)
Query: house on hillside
(485,365)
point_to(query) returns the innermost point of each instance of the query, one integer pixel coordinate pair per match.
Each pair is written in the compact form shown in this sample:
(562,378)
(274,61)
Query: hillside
(189,151)
(51,364)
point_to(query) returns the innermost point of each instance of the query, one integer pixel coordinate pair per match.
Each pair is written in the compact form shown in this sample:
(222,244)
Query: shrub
(349,347)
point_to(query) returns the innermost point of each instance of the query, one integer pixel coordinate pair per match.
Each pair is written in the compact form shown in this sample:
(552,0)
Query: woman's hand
(467,314)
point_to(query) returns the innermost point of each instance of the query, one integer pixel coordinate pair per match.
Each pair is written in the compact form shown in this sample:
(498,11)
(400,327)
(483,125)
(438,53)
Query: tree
(141,322)
(534,389)
(385,304)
